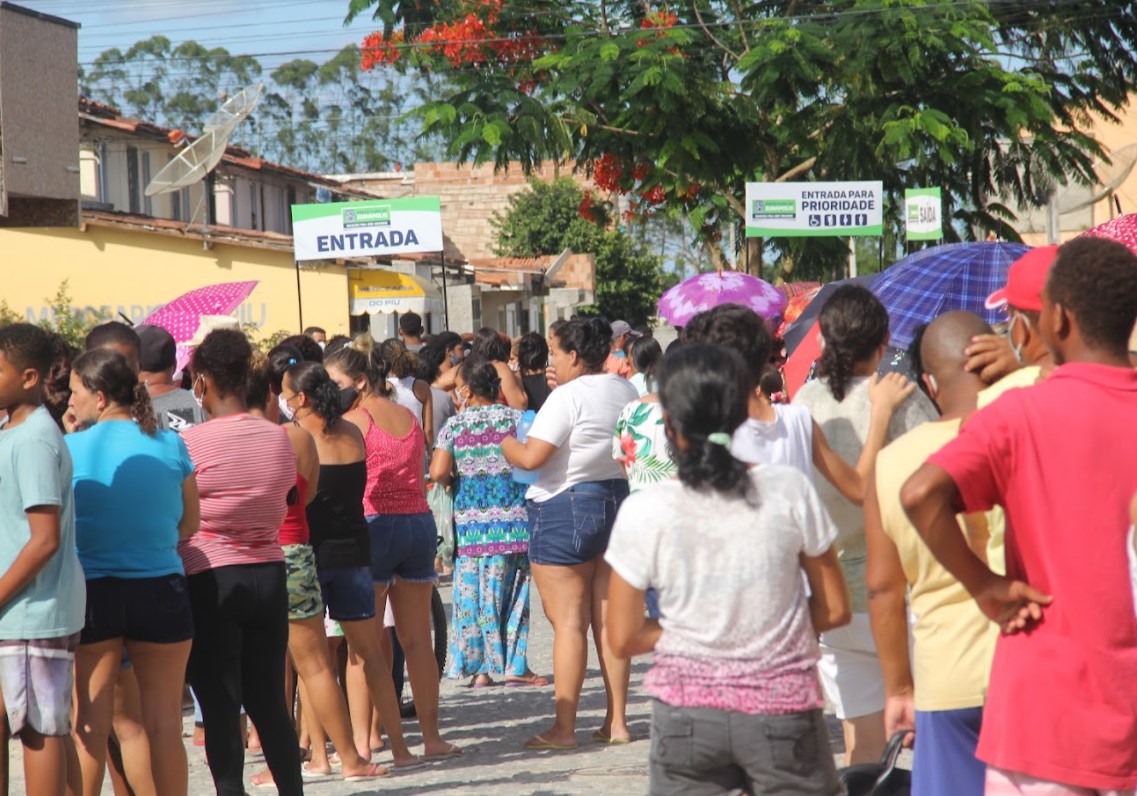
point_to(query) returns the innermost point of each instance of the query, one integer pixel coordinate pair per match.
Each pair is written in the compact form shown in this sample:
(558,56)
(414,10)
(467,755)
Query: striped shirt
(245,467)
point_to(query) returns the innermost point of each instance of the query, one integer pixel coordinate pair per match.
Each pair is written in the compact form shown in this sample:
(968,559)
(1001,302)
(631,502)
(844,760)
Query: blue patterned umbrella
(955,276)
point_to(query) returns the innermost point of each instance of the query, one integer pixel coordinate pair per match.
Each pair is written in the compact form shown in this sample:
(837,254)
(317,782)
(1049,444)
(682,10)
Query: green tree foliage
(677,105)
(323,117)
(548,218)
(63,319)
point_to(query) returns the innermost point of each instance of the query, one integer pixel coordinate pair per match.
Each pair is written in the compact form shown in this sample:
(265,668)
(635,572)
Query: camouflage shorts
(304,601)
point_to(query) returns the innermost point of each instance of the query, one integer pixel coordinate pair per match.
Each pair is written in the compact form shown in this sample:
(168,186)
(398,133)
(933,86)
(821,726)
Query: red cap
(1025,280)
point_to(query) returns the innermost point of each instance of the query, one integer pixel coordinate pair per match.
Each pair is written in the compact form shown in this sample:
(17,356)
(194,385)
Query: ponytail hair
(313,380)
(481,377)
(704,390)
(359,360)
(854,324)
(107,371)
(646,356)
(401,361)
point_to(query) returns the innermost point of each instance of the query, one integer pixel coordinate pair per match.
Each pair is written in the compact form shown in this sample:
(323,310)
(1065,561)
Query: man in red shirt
(1061,458)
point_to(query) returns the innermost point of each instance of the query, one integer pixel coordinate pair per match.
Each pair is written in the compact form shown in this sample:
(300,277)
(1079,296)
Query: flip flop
(258,780)
(453,751)
(374,771)
(418,762)
(534,680)
(540,743)
(602,737)
(308,773)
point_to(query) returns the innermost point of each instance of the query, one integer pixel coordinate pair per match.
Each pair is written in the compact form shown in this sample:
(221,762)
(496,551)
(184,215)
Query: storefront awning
(380,291)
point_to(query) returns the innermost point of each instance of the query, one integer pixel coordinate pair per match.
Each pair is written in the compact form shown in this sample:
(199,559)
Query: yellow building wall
(112,270)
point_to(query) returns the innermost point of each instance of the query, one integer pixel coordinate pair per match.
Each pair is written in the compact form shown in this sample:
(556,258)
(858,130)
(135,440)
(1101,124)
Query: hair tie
(720,438)
(293,361)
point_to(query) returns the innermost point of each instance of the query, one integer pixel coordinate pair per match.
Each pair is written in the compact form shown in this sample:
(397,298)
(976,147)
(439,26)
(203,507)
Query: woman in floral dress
(491,569)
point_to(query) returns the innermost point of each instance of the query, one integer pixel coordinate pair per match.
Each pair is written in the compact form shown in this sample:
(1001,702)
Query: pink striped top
(245,468)
(394,471)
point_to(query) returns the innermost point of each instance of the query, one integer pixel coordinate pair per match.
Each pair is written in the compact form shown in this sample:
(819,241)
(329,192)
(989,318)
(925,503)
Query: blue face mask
(619,354)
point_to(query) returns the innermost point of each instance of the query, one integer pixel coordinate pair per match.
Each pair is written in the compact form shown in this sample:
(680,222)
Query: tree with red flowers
(672,107)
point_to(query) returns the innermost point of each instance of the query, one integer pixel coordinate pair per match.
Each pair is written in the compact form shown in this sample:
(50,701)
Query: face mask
(455,359)
(932,384)
(347,397)
(321,344)
(285,410)
(193,391)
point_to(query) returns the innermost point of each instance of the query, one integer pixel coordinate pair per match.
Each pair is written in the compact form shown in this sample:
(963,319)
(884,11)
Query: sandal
(374,771)
(529,679)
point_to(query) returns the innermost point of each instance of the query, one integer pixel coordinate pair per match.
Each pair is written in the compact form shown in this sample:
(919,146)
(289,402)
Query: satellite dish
(235,109)
(192,163)
(1110,176)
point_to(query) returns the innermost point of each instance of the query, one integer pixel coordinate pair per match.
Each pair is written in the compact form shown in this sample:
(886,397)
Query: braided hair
(854,325)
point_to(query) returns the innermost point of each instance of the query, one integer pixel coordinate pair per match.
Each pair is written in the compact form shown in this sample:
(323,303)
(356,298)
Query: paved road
(491,725)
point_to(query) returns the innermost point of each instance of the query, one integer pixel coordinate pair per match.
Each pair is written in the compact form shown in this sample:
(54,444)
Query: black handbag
(879,779)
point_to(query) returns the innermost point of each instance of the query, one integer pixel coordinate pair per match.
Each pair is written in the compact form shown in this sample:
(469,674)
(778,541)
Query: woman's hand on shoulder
(888,392)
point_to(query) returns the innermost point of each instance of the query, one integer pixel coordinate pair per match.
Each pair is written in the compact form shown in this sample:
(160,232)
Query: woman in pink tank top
(404,538)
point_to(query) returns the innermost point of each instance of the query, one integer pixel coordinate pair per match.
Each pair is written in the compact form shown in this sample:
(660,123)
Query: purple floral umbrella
(702,292)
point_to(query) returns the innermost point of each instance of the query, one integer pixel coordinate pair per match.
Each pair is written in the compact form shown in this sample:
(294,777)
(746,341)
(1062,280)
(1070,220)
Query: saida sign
(813,209)
(360,229)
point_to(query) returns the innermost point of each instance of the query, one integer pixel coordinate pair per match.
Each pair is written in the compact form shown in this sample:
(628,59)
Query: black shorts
(152,610)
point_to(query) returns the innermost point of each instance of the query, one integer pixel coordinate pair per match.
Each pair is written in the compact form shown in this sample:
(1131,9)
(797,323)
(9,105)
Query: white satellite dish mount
(196,161)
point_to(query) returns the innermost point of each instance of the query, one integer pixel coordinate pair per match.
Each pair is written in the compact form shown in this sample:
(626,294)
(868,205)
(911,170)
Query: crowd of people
(952,559)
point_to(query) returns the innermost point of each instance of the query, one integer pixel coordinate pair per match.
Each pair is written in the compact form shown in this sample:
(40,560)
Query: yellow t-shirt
(954,641)
(1023,377)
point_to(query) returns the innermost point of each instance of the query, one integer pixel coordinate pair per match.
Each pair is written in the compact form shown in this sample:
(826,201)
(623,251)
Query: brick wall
(470,196)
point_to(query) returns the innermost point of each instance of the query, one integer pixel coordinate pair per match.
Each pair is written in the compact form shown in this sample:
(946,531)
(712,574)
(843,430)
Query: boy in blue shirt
(42,592)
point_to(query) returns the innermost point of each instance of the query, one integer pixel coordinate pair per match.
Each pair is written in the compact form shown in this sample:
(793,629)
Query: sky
(273,30)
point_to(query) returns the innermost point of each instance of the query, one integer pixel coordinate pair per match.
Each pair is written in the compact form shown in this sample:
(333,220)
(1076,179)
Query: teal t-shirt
(35,470)
(128,499)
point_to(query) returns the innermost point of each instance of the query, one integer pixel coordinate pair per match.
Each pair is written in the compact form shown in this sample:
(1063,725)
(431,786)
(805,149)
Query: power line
(724,24)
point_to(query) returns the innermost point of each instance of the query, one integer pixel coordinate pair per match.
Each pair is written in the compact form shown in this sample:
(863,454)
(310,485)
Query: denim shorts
(152,610)
(403,546)
(349,593)
(573,527)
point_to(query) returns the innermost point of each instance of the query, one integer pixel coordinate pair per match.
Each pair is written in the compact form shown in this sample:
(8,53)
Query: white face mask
(1016,349)
(285,409)
(321,344)
(193,391)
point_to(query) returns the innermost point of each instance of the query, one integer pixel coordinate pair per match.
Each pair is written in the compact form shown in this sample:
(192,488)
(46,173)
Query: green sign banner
(325,231)
(813,209)
(923,214)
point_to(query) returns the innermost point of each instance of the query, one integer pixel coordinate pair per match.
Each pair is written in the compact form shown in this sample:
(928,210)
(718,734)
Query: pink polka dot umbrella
(1122,229)
(702,292)
(182,316)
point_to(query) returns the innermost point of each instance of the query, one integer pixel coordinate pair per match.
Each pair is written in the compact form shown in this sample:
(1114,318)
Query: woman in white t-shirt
(854,329)
(738,703)
(409,391)
(572,506)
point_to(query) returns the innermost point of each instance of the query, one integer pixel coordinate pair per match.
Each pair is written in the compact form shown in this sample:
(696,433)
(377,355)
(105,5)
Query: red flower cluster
(460,42)
(608,173)
(659,19)
(585,208)
(655,195)
(378,51)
